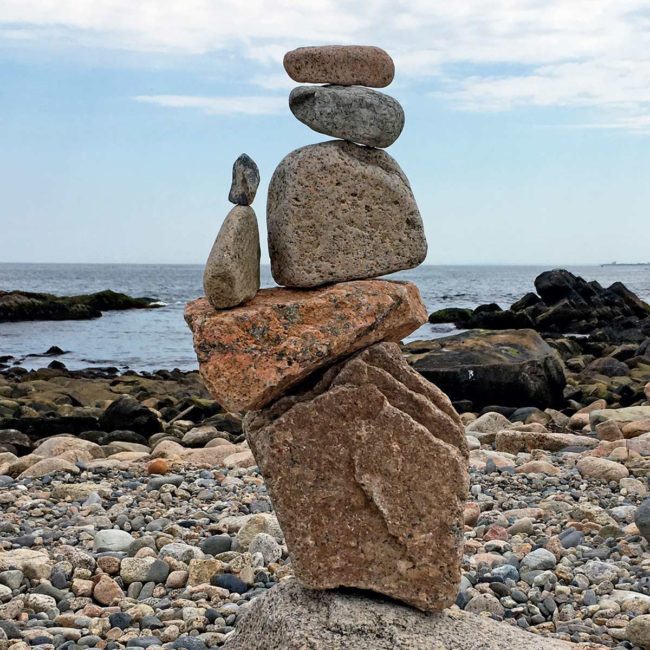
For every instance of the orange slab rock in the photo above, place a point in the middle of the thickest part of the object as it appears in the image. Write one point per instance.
(250, 355)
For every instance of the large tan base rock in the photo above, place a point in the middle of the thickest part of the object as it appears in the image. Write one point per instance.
(368, 475)
(252, 354)
(290, 617)
(513, 441)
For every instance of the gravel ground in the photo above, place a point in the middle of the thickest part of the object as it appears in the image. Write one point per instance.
(114, 557)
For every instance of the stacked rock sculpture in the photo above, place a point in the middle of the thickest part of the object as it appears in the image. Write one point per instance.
(337, 210)
(365, 460)
(232, 272)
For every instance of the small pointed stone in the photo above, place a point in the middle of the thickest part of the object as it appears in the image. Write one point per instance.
(245, 180)
(232, 272)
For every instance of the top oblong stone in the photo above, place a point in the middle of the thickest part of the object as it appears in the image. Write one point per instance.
(344, 65)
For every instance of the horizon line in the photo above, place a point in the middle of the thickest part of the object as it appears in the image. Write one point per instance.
(519, 264)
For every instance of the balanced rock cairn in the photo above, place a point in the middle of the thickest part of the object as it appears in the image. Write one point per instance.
(232, 272)
(365, 460)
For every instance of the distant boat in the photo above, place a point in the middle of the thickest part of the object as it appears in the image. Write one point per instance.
(627, 264)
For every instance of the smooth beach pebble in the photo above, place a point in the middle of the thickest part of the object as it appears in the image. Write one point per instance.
(352, 113)
(346, 65)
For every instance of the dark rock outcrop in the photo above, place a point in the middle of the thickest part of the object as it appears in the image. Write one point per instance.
(43, 427)
(509, 367)
(565, 303)
(128, 414)
(24, 305)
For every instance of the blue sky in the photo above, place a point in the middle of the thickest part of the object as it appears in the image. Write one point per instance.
(527, 135)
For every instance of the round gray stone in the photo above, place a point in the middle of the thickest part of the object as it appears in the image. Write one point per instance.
(642, 518)
(538, 560)
(349, 112)
(112, 540)
(266, 545)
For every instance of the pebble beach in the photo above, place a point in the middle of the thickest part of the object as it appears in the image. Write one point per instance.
(162, 543)
(321, 482)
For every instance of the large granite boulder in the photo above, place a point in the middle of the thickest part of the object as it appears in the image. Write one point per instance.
(336, 212)
(508, 368)
(368, 476)
(252, 354)
(290, 617)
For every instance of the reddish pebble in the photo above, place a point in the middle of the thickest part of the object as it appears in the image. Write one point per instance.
(495, 532)
(158, 466)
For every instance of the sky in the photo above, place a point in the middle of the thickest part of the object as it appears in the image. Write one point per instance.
(527, 136)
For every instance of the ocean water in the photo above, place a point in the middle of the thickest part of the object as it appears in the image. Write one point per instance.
(159, 338)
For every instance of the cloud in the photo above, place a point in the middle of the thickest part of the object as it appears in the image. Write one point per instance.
(495, 55)
(254, 105)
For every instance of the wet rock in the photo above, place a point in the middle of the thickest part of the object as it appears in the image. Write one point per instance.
(507, 367)
(25, 306)
(127, 413)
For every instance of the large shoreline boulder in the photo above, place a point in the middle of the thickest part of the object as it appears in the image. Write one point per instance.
(290, 617)
(506, 367)
(252, 354)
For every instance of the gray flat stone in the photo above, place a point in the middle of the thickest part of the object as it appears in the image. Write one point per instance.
(245, 181)
(293, 618)
(336, 212)
(349, 112)
(232, 272)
